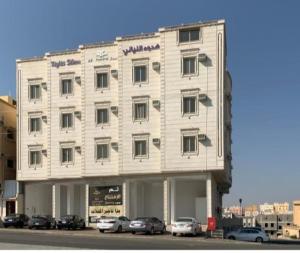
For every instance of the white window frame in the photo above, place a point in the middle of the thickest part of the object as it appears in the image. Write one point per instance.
(35, 148)
(140, 63)
(67, 111)
(35, 115)
(66, 76)
(185, 56)
(190, 133)
(102, 70)
(140, 100)
(34, 82)
(140, 137)
(190, 93)
(102, 105)
(102, 141)
(67, 145)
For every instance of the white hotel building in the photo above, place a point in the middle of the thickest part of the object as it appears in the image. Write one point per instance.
(140, 126)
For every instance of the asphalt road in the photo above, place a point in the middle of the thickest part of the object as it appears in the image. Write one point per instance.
(91, 239)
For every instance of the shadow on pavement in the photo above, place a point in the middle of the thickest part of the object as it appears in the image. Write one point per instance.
(282, 241)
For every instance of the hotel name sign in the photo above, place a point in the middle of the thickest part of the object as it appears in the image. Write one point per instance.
(69, 62)
(140, 48)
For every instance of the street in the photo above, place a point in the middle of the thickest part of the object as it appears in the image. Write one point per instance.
(91, 239)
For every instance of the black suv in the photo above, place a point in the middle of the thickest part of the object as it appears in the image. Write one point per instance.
(70, 222)
(42, 221)
(16, 220)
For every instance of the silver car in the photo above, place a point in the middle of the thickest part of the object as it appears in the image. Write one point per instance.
(113, 224)
(248, 234)
(186, 225)
(148, 225)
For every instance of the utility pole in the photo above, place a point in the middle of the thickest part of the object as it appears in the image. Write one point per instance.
(241, 212)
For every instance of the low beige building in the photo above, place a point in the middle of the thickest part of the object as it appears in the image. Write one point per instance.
(293, 231)
(8, 185)
(281, 208)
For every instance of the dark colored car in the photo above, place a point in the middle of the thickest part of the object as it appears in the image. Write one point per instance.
(70, 222)
(16, 220)
(42, 221)
(148, 225)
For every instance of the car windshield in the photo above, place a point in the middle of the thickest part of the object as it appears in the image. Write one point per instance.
(14, 215)
(39, 217)
(68, 217)
(184, 220)
(142, 219)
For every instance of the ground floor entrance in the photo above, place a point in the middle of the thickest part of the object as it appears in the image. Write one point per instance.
(165, 197)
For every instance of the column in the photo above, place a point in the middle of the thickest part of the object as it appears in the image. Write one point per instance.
(166, 198)
(209, 195)
(126, 198)
(87, 204)
(173, 199)
(70, 199)
(56, 201)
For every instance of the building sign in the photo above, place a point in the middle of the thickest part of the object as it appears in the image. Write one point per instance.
(105, 201)
(69, 62)
(102, 56)
(140, 48)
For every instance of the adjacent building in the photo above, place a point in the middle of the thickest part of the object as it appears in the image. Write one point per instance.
(8, 185)
(138, 126)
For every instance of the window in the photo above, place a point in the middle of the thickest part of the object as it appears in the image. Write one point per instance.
(102, 80)
(140, 74)
(66, 155)
(10, 134)
(140, 146)
(189, 65)
(34, 92)
(35, 158)
(140, 111)
(266, 225)
(189, 35)
(189, 141)
(189, 105)
(66, 87)
(279, 227)
(10, 163)
(66, 120)
(102, 152)
(189, 144)
(272, 225)
(35, 125)
(102, 116)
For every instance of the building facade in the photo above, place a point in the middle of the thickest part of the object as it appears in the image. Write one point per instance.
(139, 126)
(8, 183)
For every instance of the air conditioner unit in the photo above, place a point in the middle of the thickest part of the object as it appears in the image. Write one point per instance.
(229, 97)
(114, 109)
(202, 97)
(156, 141)
(44, 152)
(44, 85)
(78, 149)
(156, 66)
(156, 103)
(229, 156)
(77, 114)
(78, 79)
(44, 118)
(114, 73)
(114, 145)
(228, 126)
(202, 57)
(201, 137)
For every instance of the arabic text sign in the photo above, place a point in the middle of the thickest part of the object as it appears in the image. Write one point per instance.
(69, 62)
(140, 48)
(106, 211)
(105, 195)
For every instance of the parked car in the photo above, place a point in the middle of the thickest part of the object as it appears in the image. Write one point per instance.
(148, 225)
(186, 225)
(16, 220)
(70, 222)
(42, 221)
(248, 234)
(114, 224)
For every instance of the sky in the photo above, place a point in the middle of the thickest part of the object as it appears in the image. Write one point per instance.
(263, 39)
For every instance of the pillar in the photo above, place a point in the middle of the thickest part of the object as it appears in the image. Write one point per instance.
(70, 199)
(166, 197)
(173, 199)
(87, 204)
(56, 188)
(209, 195)
(126, 198)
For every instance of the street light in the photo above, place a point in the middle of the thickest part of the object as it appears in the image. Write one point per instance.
(240, 200)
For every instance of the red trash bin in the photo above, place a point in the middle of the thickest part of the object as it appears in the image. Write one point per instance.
(211, 223)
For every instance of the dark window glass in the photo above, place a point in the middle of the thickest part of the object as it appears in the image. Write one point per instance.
(102, 116)
(189, 105)
(140, 74)
(10, 134)
(140, 148)
(102, 80)
(189, 65)
(35, 157)
(10, 163)
(66, 86)
(194, 35)
(183, 36)
(67, 155)
(189, 35)
(67, 120)
(102, 151)
(189, 144)
(35, 125)
(140, 111)
(35, 92)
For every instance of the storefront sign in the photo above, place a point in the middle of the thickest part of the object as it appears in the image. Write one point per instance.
(69, 62)
(105, 200)
(140, 48)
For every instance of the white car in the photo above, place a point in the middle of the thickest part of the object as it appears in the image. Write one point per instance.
(113, 224)
(248, 234)
(186, 225)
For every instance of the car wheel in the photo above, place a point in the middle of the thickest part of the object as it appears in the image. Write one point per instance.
(195, 232)
(174, 234)
(101, 230)
(83, 226)
(152, 231)
(119, 230)
(231, 237)
(29, 227)
(133, 232)
(259, 239)
(163, 230)
(5, 226)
